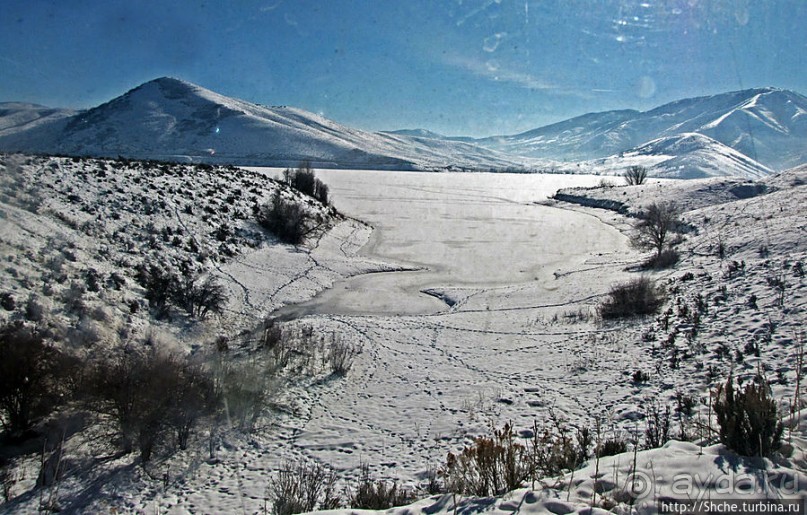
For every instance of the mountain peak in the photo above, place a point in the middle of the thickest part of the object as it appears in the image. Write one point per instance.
(171, 87)
(170, 81)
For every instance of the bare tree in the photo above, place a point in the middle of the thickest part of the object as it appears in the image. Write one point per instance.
(655, 225)
(151, 395)
(303, 179)
(200, 297)
(33, 377)
(635, 175)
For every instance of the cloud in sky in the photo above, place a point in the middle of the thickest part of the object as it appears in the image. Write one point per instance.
(494, 71)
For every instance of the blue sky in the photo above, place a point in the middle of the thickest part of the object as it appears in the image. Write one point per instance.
(460, 67)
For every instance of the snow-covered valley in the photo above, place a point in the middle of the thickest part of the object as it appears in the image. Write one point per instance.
(506, 331)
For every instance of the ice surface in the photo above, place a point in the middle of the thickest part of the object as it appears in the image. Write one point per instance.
(469, 231)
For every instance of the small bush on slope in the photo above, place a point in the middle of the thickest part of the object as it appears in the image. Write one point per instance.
(748, 419)
(199, 298)
(377, 495)
(491, 466)
(196, 296)
(636, 297)
(300, 488)
(284, 218)
(666, 259)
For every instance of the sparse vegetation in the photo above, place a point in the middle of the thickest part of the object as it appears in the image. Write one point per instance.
(492, 465)
(748, 419)
(377, 495)
(635, 175)
(304, 180)
(32, 377)
(92, 301)
(341, 356)
(286, 219)
(655, 226)
(299, 487)
(636, 297)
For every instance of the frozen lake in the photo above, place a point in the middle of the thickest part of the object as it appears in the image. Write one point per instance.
(460, 231)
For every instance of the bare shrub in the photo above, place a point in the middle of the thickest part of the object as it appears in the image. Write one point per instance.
(30, 377)
(635, 175)
(7, 301)
(243, 392)
(377, 495)
(300, 487)
(199, 297)
(657, 430)
(490, 466)
(73, 299)
(159, 284)
(636, 297)
(286, 219)
(748, 419)
(194, 396)
(149, 395)
(34, 311)
(303, 179)
(553, 449)
(341, 356)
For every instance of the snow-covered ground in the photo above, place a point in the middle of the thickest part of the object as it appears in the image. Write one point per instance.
(507, 332)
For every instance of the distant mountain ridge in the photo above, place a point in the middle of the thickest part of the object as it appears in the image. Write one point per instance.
(746, 133)
(768, 125)
(172, 119)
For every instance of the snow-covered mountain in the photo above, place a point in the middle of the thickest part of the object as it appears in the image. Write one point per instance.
(684, 156)
(17, 116)
(768, 125)
(175, 120)
(746, 133)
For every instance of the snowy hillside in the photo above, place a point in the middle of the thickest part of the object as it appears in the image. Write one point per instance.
(16, 116)
(170, 119)
(522, 344)
(768, 125)
(685, 156)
